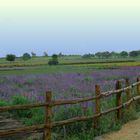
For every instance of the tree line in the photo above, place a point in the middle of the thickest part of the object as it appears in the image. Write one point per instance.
(107, 54)
(100, 55)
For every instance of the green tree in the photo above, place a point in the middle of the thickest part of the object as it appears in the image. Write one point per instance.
(124, 54)
(10, 57)
(60, 54)
(98, 55)
(26, 56)
(33, 54)
(106, 54)
(45, 54)
(134, 54)
(87, 56)
(114, 54)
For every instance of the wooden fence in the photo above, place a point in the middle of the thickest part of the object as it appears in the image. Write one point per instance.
(47, 127)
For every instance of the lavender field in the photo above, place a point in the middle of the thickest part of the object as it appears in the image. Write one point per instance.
(63, 85)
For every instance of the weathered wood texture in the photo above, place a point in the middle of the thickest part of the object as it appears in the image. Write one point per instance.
(47, 133)
(128, 93)
(97, 105)
(118, 100)
(138, 86)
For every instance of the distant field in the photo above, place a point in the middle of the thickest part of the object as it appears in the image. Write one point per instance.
(67, 64)
(46, 69)
(67, 60)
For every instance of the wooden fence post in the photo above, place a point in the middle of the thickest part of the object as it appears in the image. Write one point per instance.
(97, 105)
(118, 100)
(128, 92)
(138, 86)
(47, 133)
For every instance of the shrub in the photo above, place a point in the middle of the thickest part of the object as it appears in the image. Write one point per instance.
(38, 117)
(74, 128)
(3, 103)
(29, 116)
(20, 100)
(54, 60)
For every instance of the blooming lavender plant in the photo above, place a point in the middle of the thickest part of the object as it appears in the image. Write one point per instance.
(63, 85)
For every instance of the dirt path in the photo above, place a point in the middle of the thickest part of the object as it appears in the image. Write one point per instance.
(7, 122)
(130, 131)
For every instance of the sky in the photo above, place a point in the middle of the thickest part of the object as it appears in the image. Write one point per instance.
(69, 26)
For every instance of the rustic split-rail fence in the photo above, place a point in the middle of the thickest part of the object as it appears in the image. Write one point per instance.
(49, 124)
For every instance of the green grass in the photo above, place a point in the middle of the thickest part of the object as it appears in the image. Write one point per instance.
(39, 65)
(44, 69)
(62, 60)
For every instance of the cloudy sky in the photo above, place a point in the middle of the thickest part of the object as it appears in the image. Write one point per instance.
(69, 26)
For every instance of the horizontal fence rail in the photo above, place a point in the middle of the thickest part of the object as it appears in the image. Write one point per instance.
(65, 122)
(98, 113)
